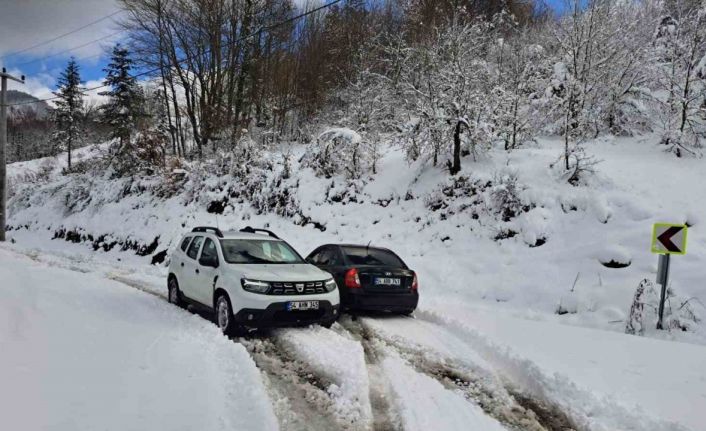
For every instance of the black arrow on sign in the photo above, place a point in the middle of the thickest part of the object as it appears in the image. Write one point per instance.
(666, 238)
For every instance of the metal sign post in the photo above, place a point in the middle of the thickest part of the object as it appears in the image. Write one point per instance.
(663, 279)
(667, 239)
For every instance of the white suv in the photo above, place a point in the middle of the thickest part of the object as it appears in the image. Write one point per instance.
(250, 281)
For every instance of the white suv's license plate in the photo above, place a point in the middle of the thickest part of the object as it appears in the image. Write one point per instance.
(302, 305)
(388, 281)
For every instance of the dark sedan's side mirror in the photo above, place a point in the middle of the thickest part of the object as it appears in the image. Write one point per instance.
(210, 261)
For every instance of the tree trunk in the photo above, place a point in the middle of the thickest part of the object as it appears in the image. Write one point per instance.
(68, 147)
(172, 129)
(244, 68)
(456, 165)
(566, 140)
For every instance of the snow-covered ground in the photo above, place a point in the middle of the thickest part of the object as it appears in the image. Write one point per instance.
(81, 352)
(535, 326)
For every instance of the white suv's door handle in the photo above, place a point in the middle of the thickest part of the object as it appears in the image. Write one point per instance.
(197, 270)
(182, 264)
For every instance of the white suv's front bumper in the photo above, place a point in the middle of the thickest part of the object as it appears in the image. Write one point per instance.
(258, 311)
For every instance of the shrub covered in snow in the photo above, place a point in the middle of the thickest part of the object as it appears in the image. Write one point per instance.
(681, 314)
(339, 151)
(497, 201)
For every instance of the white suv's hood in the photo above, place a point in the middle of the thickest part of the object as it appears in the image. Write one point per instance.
(283, 272)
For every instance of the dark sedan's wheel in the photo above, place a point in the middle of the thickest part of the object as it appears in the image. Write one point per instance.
(174, 293)
(408, 312)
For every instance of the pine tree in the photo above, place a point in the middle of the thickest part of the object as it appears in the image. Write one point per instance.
(69, 106)
(125, 104)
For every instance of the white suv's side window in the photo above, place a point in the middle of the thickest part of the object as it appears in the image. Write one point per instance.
(185, 243)
(209, 251)
(195, 246)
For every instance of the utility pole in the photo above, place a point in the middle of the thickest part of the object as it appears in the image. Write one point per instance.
(4, 76)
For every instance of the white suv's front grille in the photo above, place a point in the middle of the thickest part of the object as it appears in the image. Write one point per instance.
(297, 288)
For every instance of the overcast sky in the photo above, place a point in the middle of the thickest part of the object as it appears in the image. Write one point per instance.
(26, 23)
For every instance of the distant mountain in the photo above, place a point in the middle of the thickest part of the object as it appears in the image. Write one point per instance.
(14, 96)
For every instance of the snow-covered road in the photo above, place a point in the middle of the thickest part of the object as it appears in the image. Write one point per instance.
(93, 344)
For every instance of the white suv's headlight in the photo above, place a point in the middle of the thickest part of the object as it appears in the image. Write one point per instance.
(255, 286)
(330, 285)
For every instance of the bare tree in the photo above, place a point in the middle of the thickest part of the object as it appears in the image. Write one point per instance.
(680, 49)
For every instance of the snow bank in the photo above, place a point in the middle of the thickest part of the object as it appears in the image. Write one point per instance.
(80, 352)
(340, 360)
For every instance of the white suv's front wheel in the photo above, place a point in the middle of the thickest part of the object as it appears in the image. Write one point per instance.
(224, 317)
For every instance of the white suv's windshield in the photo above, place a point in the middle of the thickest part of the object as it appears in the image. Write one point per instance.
(258, 251)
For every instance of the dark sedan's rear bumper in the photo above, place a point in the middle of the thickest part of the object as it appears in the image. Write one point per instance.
(277, 316)
(393, 302)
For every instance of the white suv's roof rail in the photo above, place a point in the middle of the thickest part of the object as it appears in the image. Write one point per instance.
(204, 229)
(249, 229)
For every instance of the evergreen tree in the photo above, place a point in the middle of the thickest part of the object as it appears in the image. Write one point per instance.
(69, 106)
(125, 104)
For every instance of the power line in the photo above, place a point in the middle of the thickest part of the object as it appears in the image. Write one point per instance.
(60, 36)
(248, 36)
(37, 60)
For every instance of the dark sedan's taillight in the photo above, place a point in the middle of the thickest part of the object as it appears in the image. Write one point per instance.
(352, 280)
(415, 283)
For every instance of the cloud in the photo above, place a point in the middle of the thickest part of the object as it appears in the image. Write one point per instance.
(38, 85)
(42, 86)
(92, 97)
(29, 22)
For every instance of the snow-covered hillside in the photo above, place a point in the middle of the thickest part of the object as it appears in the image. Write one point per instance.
(504, 233)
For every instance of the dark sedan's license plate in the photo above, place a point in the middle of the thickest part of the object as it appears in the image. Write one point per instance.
(385, 281)
(302, 305)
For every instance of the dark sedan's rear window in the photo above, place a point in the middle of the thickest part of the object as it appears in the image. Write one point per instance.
(372, 256)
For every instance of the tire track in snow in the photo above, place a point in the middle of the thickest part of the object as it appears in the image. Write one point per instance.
(299, 396)
(385, 418)
(514, 410)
